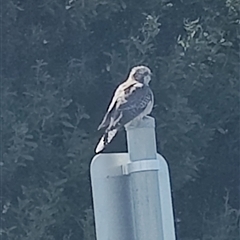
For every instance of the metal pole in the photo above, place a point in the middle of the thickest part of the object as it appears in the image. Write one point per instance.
(144, 184)
(131, 191)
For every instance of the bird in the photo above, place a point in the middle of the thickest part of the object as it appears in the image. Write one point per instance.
(132, 101)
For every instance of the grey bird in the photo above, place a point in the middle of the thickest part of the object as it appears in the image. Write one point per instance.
(132, 100)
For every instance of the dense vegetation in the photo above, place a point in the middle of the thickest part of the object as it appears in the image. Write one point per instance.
(61, 59)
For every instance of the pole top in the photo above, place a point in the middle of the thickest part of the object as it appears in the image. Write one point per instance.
(145, 122)
(141, 139)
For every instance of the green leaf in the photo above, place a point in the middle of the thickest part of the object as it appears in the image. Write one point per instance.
(67, 124)
(31, 144)
(71, 155)
(28, 157)
(85, 116)
(29, 136)
(227, 44)
(66, 103)
(65, 115)
(60, 182)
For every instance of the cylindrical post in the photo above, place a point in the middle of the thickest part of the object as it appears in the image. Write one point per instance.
(144, 185)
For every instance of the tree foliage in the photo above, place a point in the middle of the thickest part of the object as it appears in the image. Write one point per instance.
(61, 59)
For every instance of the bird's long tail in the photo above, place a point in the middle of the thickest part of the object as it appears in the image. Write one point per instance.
(105, 139)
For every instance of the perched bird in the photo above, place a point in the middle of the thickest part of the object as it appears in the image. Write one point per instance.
(132, 100)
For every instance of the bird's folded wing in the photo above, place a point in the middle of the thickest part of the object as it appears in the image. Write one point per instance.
(128, 102)
(118, 97)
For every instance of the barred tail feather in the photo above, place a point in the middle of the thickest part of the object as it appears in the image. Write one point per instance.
(105, 140)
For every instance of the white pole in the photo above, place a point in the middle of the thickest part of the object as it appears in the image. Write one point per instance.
(131, 191)
(147, 197)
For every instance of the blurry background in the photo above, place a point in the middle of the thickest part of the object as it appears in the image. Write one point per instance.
(60, 63)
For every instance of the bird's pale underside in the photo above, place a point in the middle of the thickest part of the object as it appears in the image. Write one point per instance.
(132, 100)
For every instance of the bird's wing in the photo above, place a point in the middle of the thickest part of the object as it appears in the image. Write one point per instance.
(130, 100)
(118, 94)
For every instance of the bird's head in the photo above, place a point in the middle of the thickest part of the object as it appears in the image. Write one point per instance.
(141, 74)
